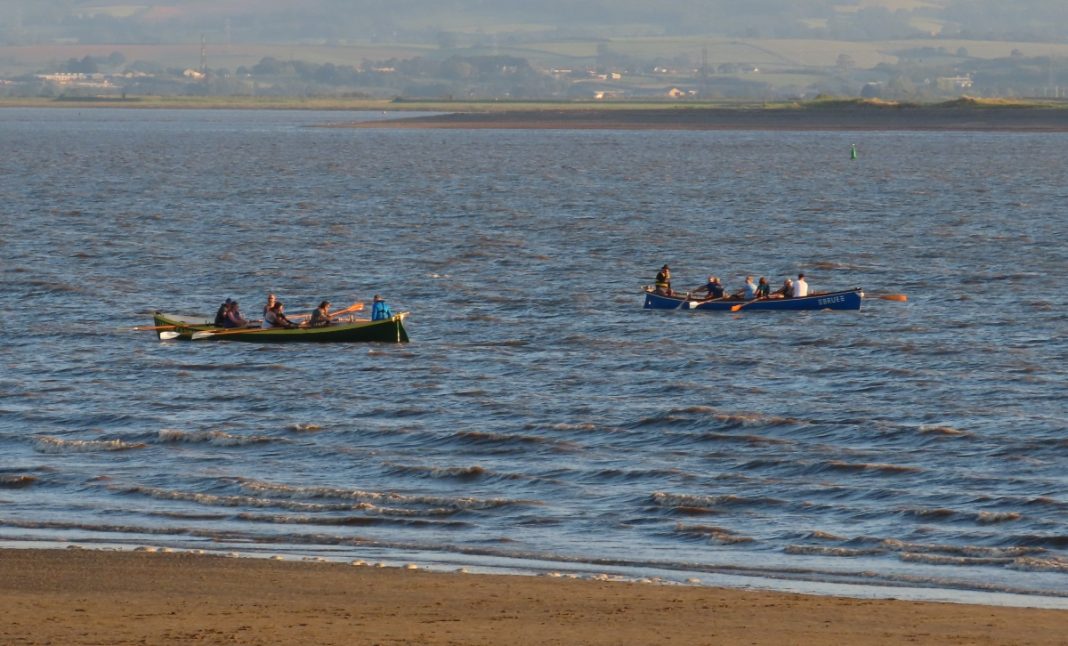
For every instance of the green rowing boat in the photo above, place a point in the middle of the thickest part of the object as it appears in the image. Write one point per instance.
(389, 330)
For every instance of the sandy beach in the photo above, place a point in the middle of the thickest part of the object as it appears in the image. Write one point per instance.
(105, 597)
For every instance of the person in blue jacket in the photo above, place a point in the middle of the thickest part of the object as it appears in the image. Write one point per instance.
(380, 310)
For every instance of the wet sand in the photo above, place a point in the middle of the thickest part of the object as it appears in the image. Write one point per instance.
(854, 117)
(102, 597)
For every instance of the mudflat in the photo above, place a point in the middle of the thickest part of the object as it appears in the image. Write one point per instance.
(962, 117)
(105, 597)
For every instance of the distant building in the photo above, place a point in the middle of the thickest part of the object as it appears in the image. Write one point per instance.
(953, 83)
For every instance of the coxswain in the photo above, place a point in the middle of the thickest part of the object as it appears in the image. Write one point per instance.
(663, 281)
(380, 310)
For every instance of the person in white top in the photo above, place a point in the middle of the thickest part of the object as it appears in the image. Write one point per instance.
(800, 287)
(270, 304)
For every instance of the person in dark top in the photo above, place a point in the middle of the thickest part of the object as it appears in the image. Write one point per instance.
(714, 288)
(321, 316)
(233, 317)
(276, 317)
(663, 281)
(763, 288)
(220, 315)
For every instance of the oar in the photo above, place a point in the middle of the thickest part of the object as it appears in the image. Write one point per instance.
(204, 334)
(735, 308)
(147, 328)
(901, 298)
(355, 307)
(166, 336)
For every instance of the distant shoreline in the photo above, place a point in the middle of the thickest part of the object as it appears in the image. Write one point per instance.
(833, 119)
(828, 115)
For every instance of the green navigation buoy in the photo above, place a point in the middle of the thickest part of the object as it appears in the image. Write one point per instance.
(852, 151)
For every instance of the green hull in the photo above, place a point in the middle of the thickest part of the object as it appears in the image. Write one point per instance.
(386, 331)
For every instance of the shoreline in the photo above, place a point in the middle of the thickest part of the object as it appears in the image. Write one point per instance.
(849, 117)
(961, 115)
(78, 596)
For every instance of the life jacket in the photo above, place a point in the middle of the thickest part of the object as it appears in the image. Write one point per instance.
(663, 279)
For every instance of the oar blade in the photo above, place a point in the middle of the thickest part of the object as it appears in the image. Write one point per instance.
(901, 298)
(735, 308)
(203, 334)
(167, 335)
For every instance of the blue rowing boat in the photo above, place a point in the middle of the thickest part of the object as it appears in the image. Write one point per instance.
(844, 300)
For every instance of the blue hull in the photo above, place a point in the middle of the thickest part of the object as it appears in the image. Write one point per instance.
(845, 300)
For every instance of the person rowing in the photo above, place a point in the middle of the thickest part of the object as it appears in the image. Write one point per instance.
(220, 315)
(748, 291)
(786, 291)
(763, 288)
(233, 318)
(275, 317)
(713, 287)
(271, 300)
(321, 316)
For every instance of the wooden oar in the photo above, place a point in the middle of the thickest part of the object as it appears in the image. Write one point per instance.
(901, 298)
(735, 308)
(147, 328)
(204, 334)
(166, 336)
(355, 307)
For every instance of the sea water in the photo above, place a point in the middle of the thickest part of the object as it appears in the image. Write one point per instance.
(540, 420)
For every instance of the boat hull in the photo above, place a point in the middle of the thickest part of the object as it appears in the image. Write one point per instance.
(389, 330)
(849, 299)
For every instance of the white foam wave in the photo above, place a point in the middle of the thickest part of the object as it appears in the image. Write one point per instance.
(216, 438)
(1033, 564)
(973, 551)
(671, 500)
(419, 505)
(717, 534)
(50, 444)
(378, 497)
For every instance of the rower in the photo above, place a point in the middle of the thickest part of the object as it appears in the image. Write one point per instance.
(320, 317)
(714, 288)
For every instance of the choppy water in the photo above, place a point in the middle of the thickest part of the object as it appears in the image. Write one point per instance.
(540, 419)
